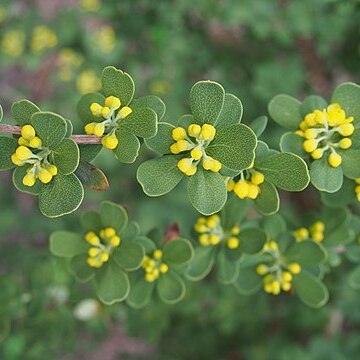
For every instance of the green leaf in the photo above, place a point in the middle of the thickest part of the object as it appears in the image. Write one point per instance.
(350, 163)
(248, 281)
(1, 113)
(285, 170)
(310, 290)
(141, 122)
(50, 128)
(207, 191)
(231, 112)
(17, 179)
(202, 263)
(252, 240)
(285, 110)
(233, 212)
(132, 231)
(8, 147)
(140, 292)
(118, 83)
(91, 221)
(178, 252)
(274, 226)
(206, 101)
(88, 152)
(305, 252)
(340, 236)
(79, 267)
(186, 120)
(161, 142)
(234, 147)
(22, 111)
(344, 196)
(268, 201)
(348, 97)
(83, 107)
(113, 215)
(293, 143)
(171, 288)
(69, 128)
(66, 156)
(62, 196)
(354, 278)
(91, 176)
(335, 218)
(67, 244)
(262, 151)
(146, 243)
(112, 284)
(227, 266)
(311, 103)
(324, 177)
(151, 101)
(258, 126)
(129, 255)
(128, 148)
(159, 176)
(353, 253)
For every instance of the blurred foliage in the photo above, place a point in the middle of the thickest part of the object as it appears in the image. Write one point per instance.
(50, 52)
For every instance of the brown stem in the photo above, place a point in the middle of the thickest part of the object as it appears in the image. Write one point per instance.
(80, 139)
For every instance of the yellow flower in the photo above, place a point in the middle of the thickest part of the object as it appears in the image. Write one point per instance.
(102, 246)
(334, 159)
(208, 132)
(13, 43)
(178, 133)
(104, 39)
(88, 81)
(110, 141)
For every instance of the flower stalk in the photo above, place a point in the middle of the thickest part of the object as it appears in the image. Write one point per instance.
(80, 139)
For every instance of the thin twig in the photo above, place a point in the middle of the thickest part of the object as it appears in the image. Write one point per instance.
(80, 139)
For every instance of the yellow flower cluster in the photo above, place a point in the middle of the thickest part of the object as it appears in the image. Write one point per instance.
(88, 81)
(41, 168)
(104, 39)
(112, 112)
(279, 275)
(160, 87)
(102, 246)
(13, 43)
(153, 266)
(247, 188)
(211, 232)
(315, 232)
(69, 61)
(195, 140)
(357, 189)
(43, 38)
(90, 5)
(327, 130)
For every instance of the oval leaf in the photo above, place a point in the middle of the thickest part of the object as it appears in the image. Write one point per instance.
(207, 191)
(310, 290)
(112, 284)
(206, 101)
(234, 147)
(171, 288)
(178, 251)
(285, 170)
(159, 176)
(67, 244)
(63, 195)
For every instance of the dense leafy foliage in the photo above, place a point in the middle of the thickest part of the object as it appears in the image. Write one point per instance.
(212, 239)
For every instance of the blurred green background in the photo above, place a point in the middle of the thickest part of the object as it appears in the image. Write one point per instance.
(51, 52)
